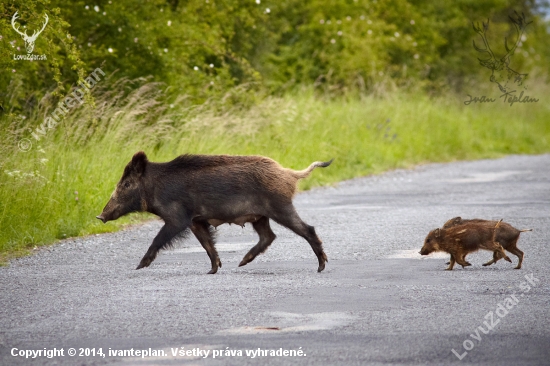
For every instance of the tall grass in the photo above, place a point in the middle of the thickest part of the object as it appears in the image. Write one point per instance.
(56, 189)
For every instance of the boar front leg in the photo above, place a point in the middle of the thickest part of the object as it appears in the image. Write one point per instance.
(467, 263)
(163, 238)
(461, 259)
(496, 257)
(204, 235)
(451, 263)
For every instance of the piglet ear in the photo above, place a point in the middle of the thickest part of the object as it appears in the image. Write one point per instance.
(437, 232)
(139, 162)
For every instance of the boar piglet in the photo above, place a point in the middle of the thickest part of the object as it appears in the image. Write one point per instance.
(505, 234)
(199, 192)
(461, 240)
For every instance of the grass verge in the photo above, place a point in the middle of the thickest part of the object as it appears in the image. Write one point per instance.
(56, 189)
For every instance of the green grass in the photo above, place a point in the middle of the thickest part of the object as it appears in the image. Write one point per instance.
(55, 190)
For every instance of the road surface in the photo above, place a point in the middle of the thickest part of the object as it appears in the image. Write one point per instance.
(377, 302)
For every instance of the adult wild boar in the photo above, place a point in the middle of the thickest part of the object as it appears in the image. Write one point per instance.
(199, 192)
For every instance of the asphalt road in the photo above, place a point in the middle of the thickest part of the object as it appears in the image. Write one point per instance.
(377, 302)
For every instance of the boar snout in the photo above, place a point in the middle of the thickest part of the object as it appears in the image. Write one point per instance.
(424, 251)
(100, 217)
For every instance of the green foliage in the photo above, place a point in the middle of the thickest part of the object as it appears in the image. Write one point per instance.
(202, 49)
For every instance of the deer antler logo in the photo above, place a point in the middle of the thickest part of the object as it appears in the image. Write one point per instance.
(29, 41)
(501, 73)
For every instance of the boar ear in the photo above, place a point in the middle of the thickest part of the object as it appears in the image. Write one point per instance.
(138, 163)
(437, 232)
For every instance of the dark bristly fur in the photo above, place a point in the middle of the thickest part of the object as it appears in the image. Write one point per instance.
(461, 240)
(198, 192)
(506, 235)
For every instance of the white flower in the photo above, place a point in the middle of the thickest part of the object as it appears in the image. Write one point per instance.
(416, 56)
(267, 10)
(412, 21)
(396, 34)
(135, 40)
(165, 50)
(169, 23)
(211, 65)
(96, 8)
(87, 7)
(362, 17)
(196, 68)
(322, 21)
(348, 18)
(119, 29)
(258, 2)
(339, 33)
(369, 31)
(333, 41)
(415, 44)
(110, 50)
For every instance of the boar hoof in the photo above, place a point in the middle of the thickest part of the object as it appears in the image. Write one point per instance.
(145, 262)
(213, 271)
(245, 260)
(517, 267)
(321, 267)
(448, 269)
(508, 259)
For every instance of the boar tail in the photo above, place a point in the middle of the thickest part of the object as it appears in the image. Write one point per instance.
(304, 173)
(524, 230)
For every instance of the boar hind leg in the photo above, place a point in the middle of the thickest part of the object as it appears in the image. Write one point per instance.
(204, 235)
(266, 238)
(515, 251)
(289, 218)
(163, 239)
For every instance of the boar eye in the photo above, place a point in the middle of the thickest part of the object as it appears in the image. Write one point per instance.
(428, 240)
(127, 184)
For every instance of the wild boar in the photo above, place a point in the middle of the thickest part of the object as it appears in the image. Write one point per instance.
(199, 192)
(461, 240)
(506, 235)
